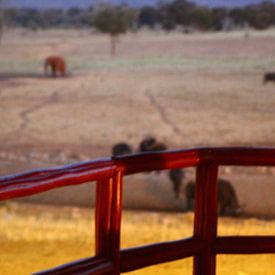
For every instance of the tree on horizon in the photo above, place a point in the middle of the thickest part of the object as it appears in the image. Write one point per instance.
(114, 20)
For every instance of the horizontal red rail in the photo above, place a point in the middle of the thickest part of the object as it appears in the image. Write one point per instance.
(245, 156)
(245, 245)
(94, 265)
(41, 180)
(139, 257)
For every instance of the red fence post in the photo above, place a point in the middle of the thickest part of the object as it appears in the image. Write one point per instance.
(108, 219)
(205, 224)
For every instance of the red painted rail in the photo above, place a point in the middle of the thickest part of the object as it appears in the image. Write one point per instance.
(109, 172)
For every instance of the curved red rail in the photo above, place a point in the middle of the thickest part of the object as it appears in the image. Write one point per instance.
(109, 172)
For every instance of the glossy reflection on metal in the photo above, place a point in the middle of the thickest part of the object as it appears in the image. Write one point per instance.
(108, 174)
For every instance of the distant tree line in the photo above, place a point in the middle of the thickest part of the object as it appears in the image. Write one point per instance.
(177, 14)
(48, 18)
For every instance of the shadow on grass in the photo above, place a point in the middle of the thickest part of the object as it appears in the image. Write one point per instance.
(11, 76)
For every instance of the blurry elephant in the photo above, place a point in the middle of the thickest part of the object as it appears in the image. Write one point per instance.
(56, 64)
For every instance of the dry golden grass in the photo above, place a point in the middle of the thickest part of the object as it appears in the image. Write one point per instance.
(39, 237)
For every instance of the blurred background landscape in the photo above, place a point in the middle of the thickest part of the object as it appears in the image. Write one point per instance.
(190, 74)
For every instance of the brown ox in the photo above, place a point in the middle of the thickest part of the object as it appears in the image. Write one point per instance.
(56, 64)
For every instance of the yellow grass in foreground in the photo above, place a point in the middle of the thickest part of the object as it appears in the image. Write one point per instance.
(38, 237)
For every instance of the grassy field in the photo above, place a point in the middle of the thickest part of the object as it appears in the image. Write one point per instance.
(35, 238)
(198, 90)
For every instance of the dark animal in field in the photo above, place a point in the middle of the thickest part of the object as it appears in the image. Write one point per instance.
(269, 77)
(176, 176)
(151, 144)
(56, 64)
(227, 200)
(147, 144)
(121, 148)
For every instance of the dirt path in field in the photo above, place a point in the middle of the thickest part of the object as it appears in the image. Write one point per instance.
(163, 116)
(25, 115)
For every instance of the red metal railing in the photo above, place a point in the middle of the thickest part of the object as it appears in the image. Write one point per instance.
(109, 172)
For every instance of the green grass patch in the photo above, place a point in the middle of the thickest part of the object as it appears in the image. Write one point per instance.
(160, 63)
(173, 63)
